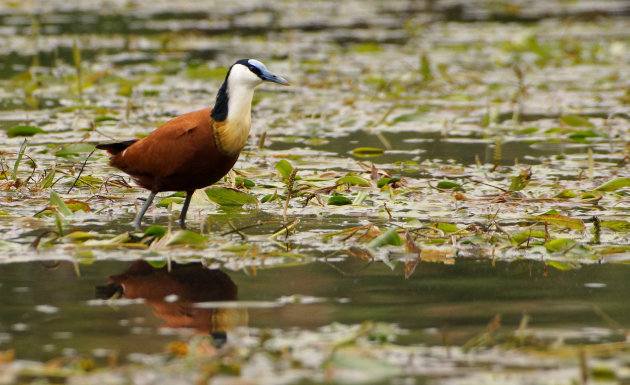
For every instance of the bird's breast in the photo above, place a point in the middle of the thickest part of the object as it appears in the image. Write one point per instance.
(231, 136)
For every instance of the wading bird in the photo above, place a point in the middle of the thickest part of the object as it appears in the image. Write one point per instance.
(196, 149)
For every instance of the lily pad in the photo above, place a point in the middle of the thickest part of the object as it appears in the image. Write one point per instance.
(23, 131)
(229, 197)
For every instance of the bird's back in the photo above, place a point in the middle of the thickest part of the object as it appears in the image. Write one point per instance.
(181, 155)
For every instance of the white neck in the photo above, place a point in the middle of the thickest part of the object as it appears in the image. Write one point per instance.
(240, 90)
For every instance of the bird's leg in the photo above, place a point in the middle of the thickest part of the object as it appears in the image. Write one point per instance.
(182, 215)
(145, 206)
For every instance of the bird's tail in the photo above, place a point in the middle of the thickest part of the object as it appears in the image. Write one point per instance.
(116, 147)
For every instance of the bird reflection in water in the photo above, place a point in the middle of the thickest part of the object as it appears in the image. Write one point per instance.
(175, 295)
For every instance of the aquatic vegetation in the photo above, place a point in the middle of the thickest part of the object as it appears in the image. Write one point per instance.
(414, 143)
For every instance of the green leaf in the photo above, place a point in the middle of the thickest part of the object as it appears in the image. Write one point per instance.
(408, 117)
(245, 182)
(390, 237)
(576, 121)
(559, 244)
(16, 165)
(229, 197)
(560, 221)
(99, 119)
(527, 131)
(616, 225)
(75, 149)
(285, 168)
(338, 200)
(23, 131)
(354, 180)
(565, 194)
(155, 230)
(367, 152)
(560, 265)
(382, 182)
(185, 237)
(271, 198)
(55, 200)
(448, 185)
(75, 206)
(48, 179)
(158, 264)
(166, 201)
(447, 227)
(521, 180)
(79, 236)
(583, 135)
(525, 235)
(614, 184)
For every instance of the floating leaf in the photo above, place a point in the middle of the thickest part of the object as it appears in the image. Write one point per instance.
(525, 235)
(390, 237)
(79, 236)
(99, 119)
(155, 230)
(75, 205)
(559, 244)
(23, 131)
(229, 197)
(185, 237)
(409, 117)
(447, 227)
(614, 184)
(527, 131)
(560, 265)
(576, 121)
(382, 182)
(271, 198)
(75, 149)
(244, 182)
(158, 264)
(55, 200)
(616, 225)
(581, 136)
(560, 221)
(366, 152)
(354, 180)
(285, 168)
(338, 200)
(448, 185)
(166, 201)
(565, 194)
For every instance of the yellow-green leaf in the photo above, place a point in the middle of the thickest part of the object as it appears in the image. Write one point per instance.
(23, 131)
(354, 180)
(229, 197)
(55, 200)
(560, 221)
(559, 244)
(367, 152)
(614, 184)
(185, 237)
(390, 237)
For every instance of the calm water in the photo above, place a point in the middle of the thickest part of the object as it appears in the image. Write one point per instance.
(50, 311)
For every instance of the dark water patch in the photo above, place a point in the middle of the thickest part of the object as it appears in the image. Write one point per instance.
(49, 310)
(416, 146)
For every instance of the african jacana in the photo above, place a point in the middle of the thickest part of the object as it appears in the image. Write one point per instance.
(196, 149)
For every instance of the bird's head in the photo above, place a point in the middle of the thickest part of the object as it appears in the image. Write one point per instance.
(251, 72)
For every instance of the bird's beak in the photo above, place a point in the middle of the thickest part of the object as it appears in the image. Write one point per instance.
(269, 77)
